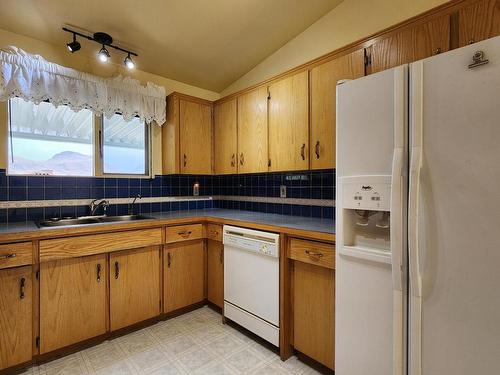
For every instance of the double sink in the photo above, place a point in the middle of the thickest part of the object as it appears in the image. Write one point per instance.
(59, 222)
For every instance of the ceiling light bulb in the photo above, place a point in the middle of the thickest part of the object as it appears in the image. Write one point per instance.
(129, 63)
(74, 45)
(103, 54)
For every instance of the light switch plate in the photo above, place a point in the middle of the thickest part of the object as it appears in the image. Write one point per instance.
(282, 191)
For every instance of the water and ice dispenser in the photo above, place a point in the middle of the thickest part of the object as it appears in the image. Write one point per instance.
(365, 206)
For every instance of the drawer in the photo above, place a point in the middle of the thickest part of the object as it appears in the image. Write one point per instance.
(78, 246)
(312, 252)
(214, 232)
(183, 233)
(16, 254)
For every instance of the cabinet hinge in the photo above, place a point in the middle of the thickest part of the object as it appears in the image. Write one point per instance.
(37, 341)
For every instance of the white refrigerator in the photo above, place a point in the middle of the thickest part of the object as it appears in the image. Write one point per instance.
(418, 217)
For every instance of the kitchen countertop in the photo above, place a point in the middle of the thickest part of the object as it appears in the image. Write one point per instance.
(29, 229)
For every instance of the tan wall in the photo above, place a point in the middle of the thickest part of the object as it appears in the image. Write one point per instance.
(352, 20)
(59, 55)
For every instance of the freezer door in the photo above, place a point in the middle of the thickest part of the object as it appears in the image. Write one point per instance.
(454, 213)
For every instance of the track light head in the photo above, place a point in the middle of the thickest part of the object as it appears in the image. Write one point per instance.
(129, 63)
(103, 54)
(74, 45)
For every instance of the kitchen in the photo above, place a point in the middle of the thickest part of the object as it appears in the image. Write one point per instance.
(308, 206)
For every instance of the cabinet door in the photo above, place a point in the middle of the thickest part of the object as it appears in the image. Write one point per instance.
(215, 270)
(134, 286)
(313, 312)
(412, 44)
(289, 123)
(195, 137)
(73, 302)
(225, 138)
(16, 319)
(184, 274)
(478, 21)
(324, 80)
(253, 132)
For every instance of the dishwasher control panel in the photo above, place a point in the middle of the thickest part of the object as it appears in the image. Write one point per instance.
(251, 240)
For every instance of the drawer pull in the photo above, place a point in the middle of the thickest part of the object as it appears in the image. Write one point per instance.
(185, 233)
(99, 272)
(22, 285)
(117, 270)
(214, 233)
(9, 256)
(314, 253)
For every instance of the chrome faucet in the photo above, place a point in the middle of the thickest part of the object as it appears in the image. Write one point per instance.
(96, 203)
(131, 205)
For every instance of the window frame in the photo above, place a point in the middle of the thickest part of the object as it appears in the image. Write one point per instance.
(97, 147)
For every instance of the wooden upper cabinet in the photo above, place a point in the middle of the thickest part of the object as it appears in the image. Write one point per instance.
(324, 79)
(134, 286)
(253, 132)
(412, 44)
(225, 137)
(73, 301)
(184, 274)
(289, 123)
(187, 136)
(16, 316)
(478, 21)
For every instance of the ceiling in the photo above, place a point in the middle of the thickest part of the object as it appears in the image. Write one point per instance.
(204, 43)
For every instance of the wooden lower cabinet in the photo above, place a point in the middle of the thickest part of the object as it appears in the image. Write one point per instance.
(16, 319)
(215, 272)
(73, 301)
(313, 311)
(134, 286)
(184, 274)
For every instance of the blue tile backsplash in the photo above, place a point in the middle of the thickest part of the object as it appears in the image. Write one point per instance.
(233, 191)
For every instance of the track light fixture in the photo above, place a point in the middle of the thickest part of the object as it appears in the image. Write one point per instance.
(74, 45)
(106, 41)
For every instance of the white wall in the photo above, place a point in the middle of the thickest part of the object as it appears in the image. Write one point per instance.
(352, 20)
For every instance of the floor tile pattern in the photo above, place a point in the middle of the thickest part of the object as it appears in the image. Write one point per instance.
(193, 343)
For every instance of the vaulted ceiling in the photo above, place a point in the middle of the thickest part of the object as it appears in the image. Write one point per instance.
(206, 43)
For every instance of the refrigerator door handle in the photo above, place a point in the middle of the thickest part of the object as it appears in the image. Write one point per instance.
(397, 217)
(413, 208)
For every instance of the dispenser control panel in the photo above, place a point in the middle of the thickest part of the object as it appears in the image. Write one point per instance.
(366, 192)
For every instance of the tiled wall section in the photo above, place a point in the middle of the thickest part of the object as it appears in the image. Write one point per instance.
(305, 185)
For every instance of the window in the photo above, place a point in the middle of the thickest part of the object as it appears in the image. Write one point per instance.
(45, 140)
(124, 147)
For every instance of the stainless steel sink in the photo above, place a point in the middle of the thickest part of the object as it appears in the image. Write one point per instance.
(56, 222)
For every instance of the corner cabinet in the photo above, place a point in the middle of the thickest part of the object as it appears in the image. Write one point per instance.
(134, 286)
(187, 136)
(73, 301)
(289, 123)
(16, 319)
(225, 138)
(323, 91)
(215, 272)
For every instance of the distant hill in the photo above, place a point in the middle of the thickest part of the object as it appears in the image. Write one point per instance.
(63, 163)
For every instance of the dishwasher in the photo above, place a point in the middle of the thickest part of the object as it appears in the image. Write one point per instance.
(251, 280)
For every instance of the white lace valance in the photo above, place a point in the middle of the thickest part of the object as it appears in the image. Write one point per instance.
(33, 78)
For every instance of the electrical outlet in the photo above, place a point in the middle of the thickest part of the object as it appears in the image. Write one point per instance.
(282, 191)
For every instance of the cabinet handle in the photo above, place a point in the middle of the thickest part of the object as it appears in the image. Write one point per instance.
(242, 159)
(98, 272)
(317, 150)
(472, 41)
(437, 51)
(233, 160)
(185, 159)
(221, 256)
(22, 285)
(303, 151)
(184, 233)
(9, 256)
(169, 260)
(314, 253)
(117, 270)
